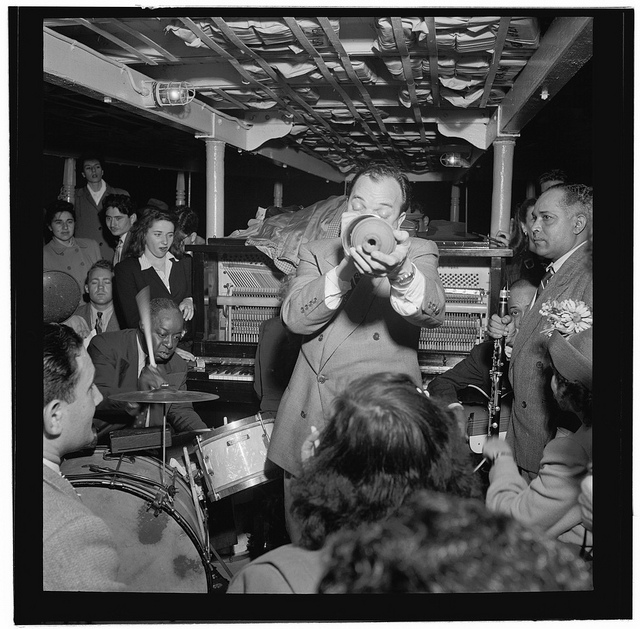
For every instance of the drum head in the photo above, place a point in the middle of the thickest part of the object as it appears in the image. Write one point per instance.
(60, 296)
(158, 542)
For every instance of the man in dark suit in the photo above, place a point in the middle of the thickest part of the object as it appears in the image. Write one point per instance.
(121, 363)
(78, 549)
(474, 369)
(561, 228)
(120, 216)
(88, 203)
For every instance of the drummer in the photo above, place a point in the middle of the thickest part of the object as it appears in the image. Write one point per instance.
(122, 365)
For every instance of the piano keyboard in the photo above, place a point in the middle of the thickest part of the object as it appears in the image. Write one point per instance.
(236, 373)
(234, 369)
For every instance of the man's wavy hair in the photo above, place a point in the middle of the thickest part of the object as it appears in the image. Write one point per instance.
(384, 440)
(380, 171)
(61, 348)
(147, 216)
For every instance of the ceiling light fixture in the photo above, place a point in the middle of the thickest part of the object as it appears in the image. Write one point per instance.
(454, 160)
(169, 94)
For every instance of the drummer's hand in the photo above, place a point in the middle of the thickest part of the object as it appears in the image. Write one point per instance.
(186, 308)
(310, 444)
(183, 353)
(150, 378)
(134, 409)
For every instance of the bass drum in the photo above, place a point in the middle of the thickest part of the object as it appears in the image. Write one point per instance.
(156, 528)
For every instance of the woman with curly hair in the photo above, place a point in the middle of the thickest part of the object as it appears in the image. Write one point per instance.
(550, 501)
(385, 440)
(153, 259)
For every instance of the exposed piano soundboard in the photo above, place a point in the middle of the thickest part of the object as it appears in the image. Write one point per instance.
(244, 290)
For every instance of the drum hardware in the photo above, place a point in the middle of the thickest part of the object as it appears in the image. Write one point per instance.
(163, 395)
(265, 436)
(203, 530)
(169, 542)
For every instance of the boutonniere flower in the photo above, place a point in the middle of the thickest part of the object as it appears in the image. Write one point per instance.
(567, 316)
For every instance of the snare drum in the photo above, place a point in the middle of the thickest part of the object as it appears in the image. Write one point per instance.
(155, 525)
(234, 457)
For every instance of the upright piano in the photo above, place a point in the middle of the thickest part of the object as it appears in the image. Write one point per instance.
(236, 288)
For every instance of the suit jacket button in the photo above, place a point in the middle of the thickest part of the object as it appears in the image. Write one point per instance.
(321, 379)
(303, 414)
(376, 336)
(524, 405)
(539, 364)
(320, 337)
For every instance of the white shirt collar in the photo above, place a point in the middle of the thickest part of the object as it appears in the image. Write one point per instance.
(560, 261)
(146, 264)
(98, 195)
(51, 465)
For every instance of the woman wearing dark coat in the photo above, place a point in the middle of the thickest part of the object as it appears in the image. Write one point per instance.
(154, 260)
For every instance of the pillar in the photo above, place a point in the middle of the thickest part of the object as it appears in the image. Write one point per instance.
(530, 190)
(455, 203)
(277, 194)
(68, 190)
(215, 189)
(503, 149)
(180, 189)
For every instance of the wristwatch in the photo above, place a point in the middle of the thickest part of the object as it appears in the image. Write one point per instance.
(404, 279)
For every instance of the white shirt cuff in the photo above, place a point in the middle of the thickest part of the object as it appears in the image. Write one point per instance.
(407, 300)
(334, 289)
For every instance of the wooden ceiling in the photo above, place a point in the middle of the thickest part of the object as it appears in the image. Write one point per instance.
(323, 94)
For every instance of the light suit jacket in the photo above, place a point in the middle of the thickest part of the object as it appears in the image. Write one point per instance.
(364, 335)
(78, 549)
(534, 413)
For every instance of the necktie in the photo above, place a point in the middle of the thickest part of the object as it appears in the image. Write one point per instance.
(118, 254)
(544, 281)
(99, 323)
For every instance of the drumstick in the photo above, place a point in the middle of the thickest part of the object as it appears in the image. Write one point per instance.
(142, 299)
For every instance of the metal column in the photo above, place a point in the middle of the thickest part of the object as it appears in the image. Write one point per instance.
(68, 190)
(277, 194)
(215, 189)
(455, 203)
(503, 149)
(180, 189)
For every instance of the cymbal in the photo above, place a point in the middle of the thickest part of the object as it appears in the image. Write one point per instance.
(163, 395)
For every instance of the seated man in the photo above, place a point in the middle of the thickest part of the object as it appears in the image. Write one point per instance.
(98, 314)
(120, 359)
(450, 386)
(78, 549)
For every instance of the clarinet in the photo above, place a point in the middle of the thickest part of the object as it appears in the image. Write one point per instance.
(497, 373)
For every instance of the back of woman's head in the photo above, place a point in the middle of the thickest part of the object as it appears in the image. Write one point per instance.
(384, 440)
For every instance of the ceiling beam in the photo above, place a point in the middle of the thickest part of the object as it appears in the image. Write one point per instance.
(565, 48)
(72, 65)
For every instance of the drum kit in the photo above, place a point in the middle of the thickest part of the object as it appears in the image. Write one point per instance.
(157, 510)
